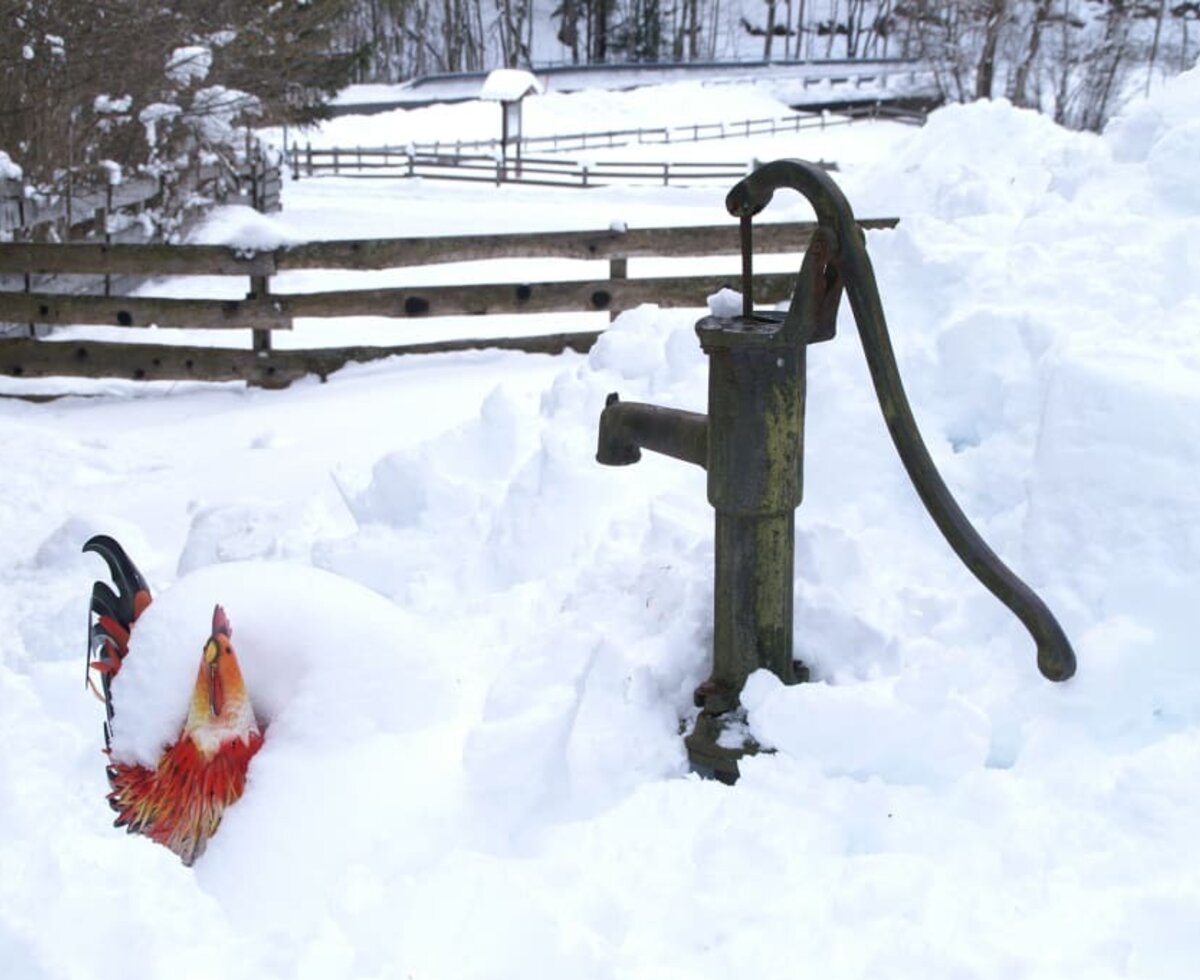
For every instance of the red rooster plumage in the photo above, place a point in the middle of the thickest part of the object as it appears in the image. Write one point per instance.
(179, 803)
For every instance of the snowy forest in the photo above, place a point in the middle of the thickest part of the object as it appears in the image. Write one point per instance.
(112, 87)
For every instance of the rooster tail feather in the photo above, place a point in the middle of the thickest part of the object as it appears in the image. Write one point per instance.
(111, 615)
(105, 601)
(126, 577)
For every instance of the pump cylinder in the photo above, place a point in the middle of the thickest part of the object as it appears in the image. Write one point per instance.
(755, 421)
(752, 597)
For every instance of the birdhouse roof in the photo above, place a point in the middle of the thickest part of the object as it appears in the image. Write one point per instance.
(509, 85)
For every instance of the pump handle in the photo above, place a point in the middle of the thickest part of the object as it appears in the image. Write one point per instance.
(848, 254)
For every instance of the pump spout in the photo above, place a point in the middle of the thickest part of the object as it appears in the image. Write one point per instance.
(626, 428)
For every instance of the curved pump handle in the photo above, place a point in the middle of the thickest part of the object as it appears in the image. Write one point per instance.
(839, 243)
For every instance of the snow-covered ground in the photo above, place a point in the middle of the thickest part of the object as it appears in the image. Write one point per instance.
(474, 647)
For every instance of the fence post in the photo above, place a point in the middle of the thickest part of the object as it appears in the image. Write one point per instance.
(335, 161)
(70, 195)
(295, 157)
(308, 153)
(618, 268)
(260, 290)
(108, 203)
(26, 234)
(666, 174)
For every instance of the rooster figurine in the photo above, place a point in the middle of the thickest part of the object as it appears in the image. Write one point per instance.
(181, 800)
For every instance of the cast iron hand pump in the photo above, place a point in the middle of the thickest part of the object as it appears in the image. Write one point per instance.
(751, 443)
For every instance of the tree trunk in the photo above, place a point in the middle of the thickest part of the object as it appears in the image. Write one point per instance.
(985, 72)
(1158, 22)
(1021, 82)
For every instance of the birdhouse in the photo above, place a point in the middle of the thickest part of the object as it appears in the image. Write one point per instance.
(509, 86)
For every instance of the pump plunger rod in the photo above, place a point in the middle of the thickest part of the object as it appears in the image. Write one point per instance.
(747, 269)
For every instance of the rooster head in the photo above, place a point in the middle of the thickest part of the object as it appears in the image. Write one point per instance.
(220, 710)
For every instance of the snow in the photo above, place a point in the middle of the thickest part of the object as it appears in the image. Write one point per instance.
(725, 303)
(155, 113)
(189, 64)
(109, 105)
(509, 85)
(475, 646)
(244, 228)
(8, 169)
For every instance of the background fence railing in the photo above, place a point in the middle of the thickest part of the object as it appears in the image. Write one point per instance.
(481, 159)
(264, 311)
(91, 207)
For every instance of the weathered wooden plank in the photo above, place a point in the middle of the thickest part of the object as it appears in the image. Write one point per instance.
(142, 311)
(633, 243)
(116, 259)
(545, 297)
(277, 311)
(98, 258)
(153, 362)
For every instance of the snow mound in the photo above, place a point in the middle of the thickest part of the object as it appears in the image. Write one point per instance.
(982, 159)
(242, 227)
(316, 650)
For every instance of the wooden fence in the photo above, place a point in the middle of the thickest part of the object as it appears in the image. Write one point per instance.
(390, 162)
(264, 311)
(480, 159)
(93, 208)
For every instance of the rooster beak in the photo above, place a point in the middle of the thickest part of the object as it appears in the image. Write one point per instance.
(214, 693)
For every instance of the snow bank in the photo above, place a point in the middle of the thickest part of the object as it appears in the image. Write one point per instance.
(315, 648)
(239, 226)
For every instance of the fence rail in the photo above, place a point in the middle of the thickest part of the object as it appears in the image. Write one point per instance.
(264, 311)
(386, 162)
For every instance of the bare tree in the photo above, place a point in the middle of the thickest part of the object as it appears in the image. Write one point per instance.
(1020, 88)
(994, 14)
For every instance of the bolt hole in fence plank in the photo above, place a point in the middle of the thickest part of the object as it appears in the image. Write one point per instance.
(264, 310)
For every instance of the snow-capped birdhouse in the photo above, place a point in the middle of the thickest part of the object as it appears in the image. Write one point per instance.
(509, 86)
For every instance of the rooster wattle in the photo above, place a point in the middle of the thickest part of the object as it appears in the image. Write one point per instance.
(179, 802)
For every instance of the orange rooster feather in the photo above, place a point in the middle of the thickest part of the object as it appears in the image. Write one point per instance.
(180, 802)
